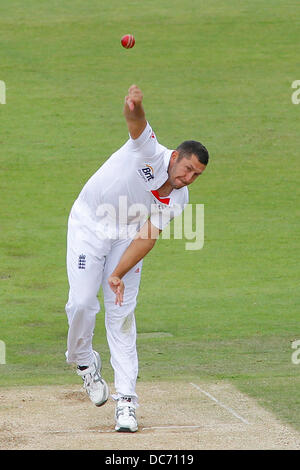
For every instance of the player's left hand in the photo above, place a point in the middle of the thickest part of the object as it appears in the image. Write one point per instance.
(117, 286)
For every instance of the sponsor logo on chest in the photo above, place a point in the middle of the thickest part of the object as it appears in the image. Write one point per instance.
(147, 173)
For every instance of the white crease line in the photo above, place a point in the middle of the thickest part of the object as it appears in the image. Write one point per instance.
(221, 404)
(170, 427)
(65, 431)
(86, 431)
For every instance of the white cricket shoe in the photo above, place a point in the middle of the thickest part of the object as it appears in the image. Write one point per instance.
(94, 385)
(125, 415)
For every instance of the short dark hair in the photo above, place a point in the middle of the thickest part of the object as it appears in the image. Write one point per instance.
(190, 147)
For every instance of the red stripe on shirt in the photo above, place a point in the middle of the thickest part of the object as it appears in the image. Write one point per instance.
(164, 200)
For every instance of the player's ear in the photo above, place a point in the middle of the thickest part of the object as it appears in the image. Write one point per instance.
(174, 155)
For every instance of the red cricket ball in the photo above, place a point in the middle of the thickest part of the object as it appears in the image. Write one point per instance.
(128, 41)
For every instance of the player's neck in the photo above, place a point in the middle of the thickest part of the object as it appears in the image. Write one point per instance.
(165, 189)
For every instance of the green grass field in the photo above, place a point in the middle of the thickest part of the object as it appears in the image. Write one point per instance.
(219, 72)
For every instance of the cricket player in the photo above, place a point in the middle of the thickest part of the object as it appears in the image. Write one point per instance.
(113, 224)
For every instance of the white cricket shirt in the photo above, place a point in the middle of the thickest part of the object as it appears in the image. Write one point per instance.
(123, 192)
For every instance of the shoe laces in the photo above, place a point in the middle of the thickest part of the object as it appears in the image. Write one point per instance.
(125, 407)
(90, 376)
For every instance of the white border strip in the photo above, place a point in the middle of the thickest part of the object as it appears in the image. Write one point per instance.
(221, 404)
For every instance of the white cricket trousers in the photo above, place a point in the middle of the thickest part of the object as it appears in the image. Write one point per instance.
(90, 261)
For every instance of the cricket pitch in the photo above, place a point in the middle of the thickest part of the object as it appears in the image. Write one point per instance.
(177, 416)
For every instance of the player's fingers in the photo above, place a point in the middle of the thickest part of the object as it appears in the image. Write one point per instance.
(114, 283)
(120, 292)
(132, 88)
(118, 299)
(135, 94)
(130, 104)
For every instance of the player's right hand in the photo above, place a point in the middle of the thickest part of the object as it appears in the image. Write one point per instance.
(134, 97)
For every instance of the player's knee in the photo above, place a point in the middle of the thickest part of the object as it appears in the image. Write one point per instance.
(121, 327)
(128, 305)
(115, 312)
(84, 302)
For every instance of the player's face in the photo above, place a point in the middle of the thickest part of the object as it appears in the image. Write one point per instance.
(185, 171)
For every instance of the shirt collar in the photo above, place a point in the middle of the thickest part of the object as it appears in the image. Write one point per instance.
(159, 181)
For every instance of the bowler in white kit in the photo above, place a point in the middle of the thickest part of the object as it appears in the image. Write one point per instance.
(113, 224)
